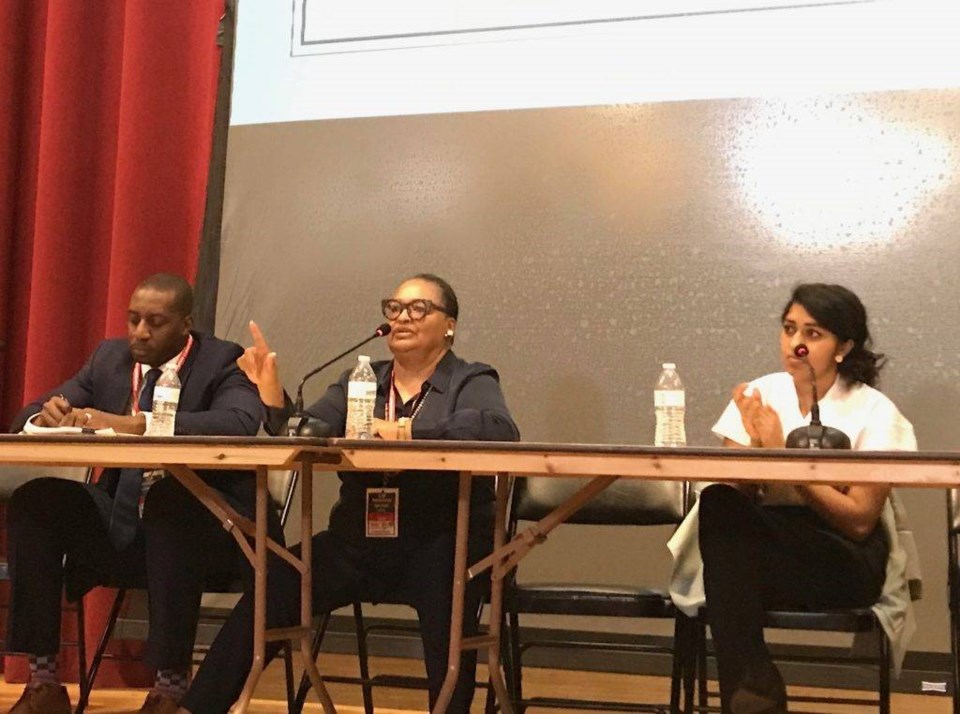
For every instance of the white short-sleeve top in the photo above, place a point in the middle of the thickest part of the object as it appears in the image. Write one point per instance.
(866, 415)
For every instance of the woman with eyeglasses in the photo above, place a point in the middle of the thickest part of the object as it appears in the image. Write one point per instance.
(809, 546)
(404, 554)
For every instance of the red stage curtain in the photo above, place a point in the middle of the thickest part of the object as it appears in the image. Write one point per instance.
(106, 113)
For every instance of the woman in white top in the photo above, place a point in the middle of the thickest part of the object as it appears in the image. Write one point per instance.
(814, 546)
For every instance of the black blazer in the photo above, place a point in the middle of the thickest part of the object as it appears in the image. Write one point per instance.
(465, 403)
(216, 398)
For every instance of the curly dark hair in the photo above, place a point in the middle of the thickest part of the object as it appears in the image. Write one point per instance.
(839, 310)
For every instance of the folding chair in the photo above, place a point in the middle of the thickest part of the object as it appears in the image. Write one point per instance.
(625, 503)
(366, 681)
(857, 621)
(861, 622)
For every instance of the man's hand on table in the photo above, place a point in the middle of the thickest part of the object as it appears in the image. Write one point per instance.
(95, 419)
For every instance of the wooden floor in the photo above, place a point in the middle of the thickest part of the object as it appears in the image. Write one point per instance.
(394, 701)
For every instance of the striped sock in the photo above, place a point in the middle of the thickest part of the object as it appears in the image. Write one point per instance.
(43, 670)
(172, 683)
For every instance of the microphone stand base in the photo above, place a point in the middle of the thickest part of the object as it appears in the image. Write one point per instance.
(817, 436)
(306, 425)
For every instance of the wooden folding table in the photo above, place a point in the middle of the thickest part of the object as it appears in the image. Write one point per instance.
(604, 465)
(183, 457)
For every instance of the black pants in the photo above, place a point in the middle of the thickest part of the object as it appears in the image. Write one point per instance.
(418, 573)
(178, 547)
(757, 558)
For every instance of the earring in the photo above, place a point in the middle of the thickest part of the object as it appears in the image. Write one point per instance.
(448, 333)
(839, 358)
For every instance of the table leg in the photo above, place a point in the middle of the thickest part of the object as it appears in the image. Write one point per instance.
(259, 593)
(306, 586)
(242, 528)
(459, 590)
(496, 596)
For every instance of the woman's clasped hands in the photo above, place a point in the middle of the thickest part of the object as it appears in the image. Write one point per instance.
(761, 421)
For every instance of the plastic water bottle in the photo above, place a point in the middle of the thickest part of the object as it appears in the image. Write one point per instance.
(361, 398)
(669, 403)
(166, 397)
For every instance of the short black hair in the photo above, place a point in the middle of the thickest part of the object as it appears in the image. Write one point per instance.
(839, 310)
(450, 304)
(170, 283)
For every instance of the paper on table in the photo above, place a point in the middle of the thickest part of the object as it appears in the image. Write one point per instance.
(31, 428)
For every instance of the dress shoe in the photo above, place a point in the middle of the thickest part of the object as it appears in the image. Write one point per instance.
(43, 699)
(745, 701)
(761, 691)
(159, 704)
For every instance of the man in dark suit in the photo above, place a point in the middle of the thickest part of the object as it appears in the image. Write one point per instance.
(130, 523)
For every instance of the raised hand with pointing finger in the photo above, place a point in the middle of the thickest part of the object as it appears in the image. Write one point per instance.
(259, 363)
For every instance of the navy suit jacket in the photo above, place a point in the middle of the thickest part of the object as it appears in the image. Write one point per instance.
(216, 398)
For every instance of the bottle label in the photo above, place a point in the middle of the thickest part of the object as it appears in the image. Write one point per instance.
(668, 398)
(166, 394)
(362, 390)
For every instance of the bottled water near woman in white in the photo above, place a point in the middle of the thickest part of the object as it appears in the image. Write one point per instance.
(361, 398)
(166, 397)
(669, 403)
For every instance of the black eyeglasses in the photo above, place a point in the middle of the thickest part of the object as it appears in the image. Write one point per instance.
(416, 309)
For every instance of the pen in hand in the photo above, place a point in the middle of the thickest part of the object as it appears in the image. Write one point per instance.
(57, 409)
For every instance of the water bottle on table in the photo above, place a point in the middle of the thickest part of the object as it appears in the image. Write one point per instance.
(361, 398)
(166, 397)
(669, 403)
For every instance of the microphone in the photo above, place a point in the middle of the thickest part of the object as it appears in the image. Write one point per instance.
(815, 435)
(302, 424)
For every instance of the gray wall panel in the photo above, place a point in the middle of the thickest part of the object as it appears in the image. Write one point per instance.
(589, 244)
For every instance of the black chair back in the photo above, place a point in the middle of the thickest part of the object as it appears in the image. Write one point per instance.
(953, 511)
(953, 583)
(626, 502)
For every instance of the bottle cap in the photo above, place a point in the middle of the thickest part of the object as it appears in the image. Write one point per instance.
(364, 358)
(669, 365)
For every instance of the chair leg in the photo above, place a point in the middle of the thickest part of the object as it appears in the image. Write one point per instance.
(288, 676)
(703, 696)
(506, 662)
(680, 647)
(955, 644)
(91, 674)
(884, 672)
(689, 662)
(82, 658)
(516, 663)
(304, 687)
(363, 658)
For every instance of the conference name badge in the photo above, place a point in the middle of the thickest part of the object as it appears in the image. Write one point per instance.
(383, 512)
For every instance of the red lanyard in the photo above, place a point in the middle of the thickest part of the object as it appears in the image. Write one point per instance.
(391, 410)
(137, 376)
